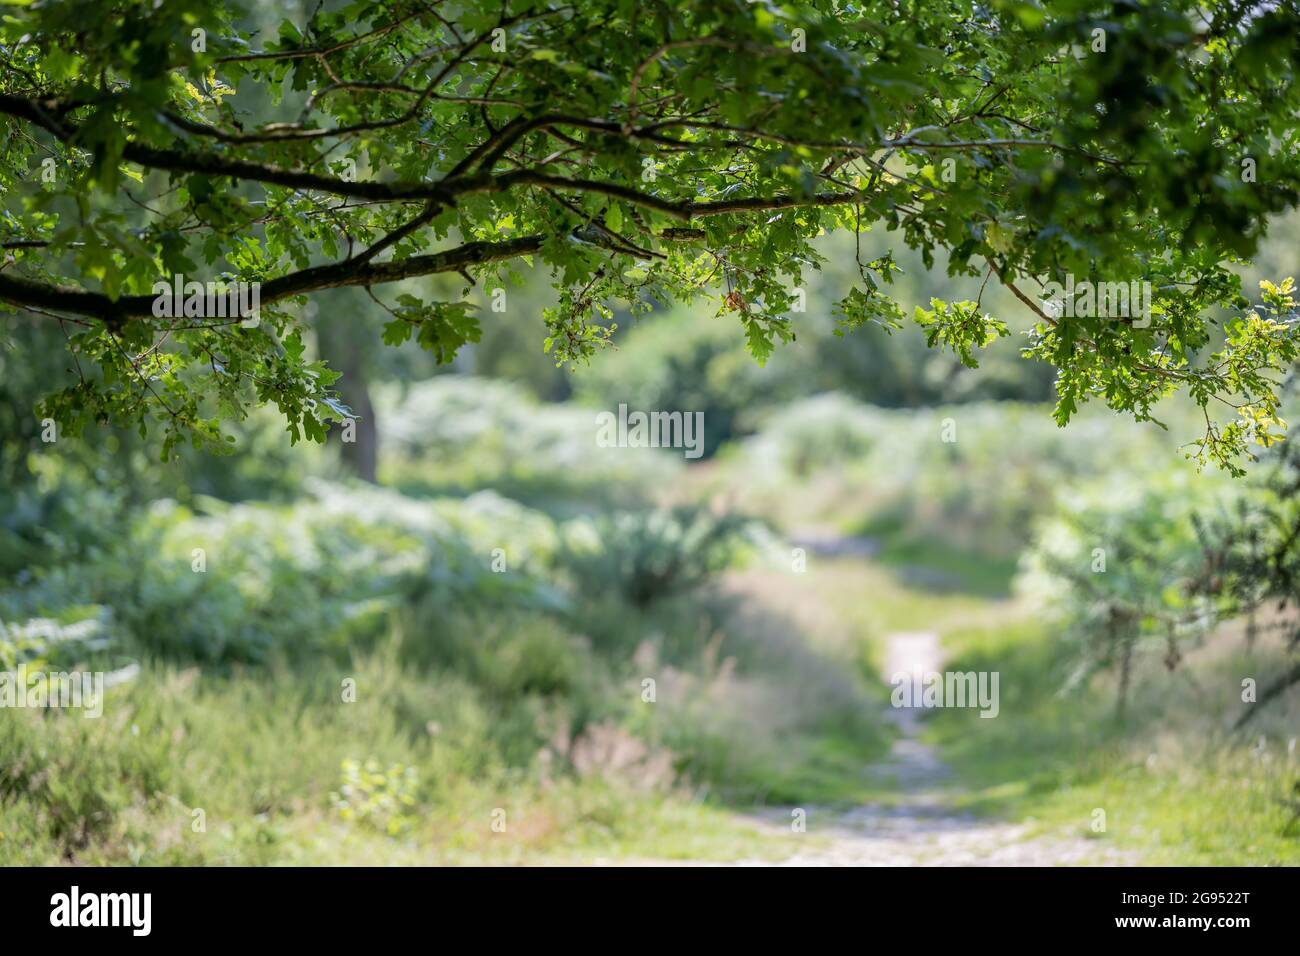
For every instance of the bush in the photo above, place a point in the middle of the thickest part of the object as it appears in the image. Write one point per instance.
(373, 796)
(682, 361)
(60, 517)
(245, 582)
(646, 556)
(455, 434)
(974, 476)
(1117, 562)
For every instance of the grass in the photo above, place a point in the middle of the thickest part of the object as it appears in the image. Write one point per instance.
(244, 765)
(847, 607)
(260, 750)
(769, 694)
(948, 570)
(875, 598)
(1175, 785)
(1177, 788)
(259, 756)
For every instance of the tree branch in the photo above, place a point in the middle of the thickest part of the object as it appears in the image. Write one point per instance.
(348, 272)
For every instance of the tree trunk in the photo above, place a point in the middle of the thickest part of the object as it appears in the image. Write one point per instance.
(1125, 674)
(343, 345)
(360, 455)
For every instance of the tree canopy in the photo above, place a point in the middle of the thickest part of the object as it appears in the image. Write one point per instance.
(642, 152)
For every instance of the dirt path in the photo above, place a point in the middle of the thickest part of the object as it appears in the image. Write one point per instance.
(921, 828)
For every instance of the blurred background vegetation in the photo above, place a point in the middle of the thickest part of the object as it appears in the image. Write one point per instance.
(498, 589)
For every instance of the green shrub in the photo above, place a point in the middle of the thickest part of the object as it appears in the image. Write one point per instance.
(79, 632)
(58, 518)
(973, 476)
(373, 796)
(682, 361)
(455, 434)
(646, 556)
(1116, 562)
(244, 582)
(74, 776)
